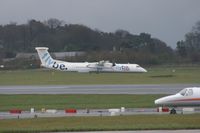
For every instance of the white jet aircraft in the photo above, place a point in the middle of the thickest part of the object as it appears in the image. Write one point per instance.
(101, 66)
(186, 97)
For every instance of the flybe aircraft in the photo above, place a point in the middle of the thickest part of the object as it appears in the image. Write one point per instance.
(101, 66)
(186, 97)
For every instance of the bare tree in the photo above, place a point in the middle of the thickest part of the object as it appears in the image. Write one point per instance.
(54, 23)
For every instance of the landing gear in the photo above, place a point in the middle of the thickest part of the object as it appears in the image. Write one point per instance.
(173, 111)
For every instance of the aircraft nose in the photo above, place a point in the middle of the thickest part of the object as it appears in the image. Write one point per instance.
(157, 102)
(143, 70)
(164, 100)
(160, 101)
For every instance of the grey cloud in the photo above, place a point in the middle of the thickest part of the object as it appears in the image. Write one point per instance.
(167, 20)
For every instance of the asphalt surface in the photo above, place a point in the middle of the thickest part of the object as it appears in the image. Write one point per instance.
(96, 89)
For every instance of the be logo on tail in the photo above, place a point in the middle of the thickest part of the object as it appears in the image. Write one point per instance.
(51, 63)
(47, 61)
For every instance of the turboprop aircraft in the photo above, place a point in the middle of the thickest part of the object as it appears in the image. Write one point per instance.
(186, 97)
(101, 66)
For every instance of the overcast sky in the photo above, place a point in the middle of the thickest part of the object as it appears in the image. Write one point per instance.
(167, 20)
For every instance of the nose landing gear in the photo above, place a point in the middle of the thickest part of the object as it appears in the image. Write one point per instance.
(173, 111)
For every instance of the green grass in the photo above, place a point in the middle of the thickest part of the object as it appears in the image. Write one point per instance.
(136, 122)
(155, 75)
(25, 102)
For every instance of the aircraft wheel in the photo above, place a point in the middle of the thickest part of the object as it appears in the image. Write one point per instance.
(173, 111)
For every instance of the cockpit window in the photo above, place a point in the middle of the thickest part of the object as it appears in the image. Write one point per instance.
(137, 66)
(186, 92)
(189, 92)
(182, 92)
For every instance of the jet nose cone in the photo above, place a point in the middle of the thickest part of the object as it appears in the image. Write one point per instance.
(143, 70)
(163, 100)
(157, 101)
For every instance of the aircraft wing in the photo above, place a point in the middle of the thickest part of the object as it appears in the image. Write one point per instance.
(100, 65)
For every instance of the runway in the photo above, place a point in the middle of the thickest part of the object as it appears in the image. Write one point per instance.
(96, 89)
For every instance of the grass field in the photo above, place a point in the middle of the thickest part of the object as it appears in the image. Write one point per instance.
(155, 75)
(160, 75)
(25, 102)
(136, 122)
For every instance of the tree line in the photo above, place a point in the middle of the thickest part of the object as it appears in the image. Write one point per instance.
(119, 46)
(189, 49)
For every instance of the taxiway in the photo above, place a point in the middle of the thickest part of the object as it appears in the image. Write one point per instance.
(88, 113)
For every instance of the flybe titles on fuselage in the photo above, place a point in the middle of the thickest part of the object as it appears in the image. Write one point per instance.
(122, 68)
(51, 63)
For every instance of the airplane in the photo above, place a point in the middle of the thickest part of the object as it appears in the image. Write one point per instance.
(101, 66)
(186, 97)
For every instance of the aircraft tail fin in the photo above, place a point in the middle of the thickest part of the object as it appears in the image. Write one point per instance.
(45, 57)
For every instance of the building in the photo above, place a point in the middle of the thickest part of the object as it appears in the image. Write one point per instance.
(57, 55)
